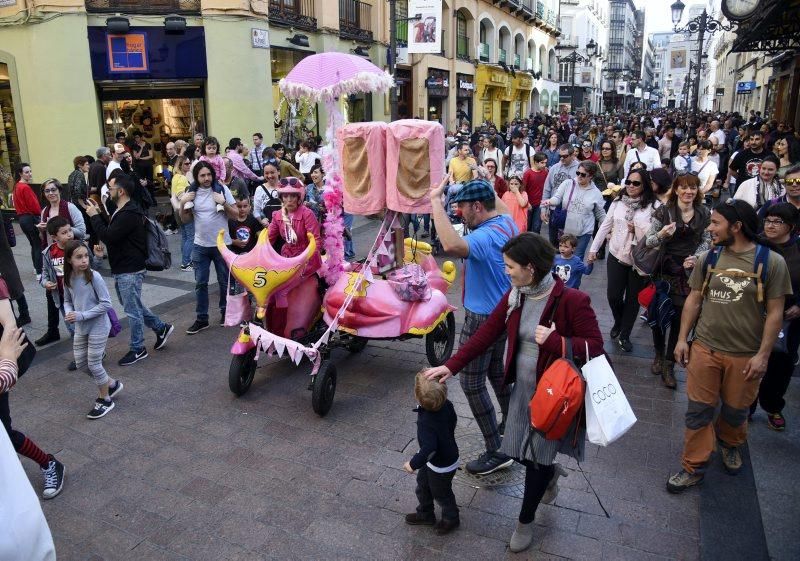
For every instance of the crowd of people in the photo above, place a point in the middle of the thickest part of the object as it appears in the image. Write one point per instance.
(716, 198)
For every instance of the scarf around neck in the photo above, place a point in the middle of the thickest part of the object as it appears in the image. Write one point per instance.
(530, 291)
(631, 206)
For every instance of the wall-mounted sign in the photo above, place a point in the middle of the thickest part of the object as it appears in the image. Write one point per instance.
(466, 85)
(720, 91)
(745, 87)
(425, 34)
(438, 83)
(127, 53)
(7, 2)
(260, 38)
(677, 59)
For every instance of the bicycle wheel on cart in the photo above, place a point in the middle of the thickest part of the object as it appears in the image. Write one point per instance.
(439, 342)
(242, 371)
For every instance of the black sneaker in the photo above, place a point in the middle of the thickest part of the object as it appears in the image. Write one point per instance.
(47, 338)
(163, 335)
(421, 519)
(72, 367)
(132, 357)
(489, 462)
(23, 320)
(101, 407)
(115, 390)
(625, 345)
(197, 327)
(53, 478)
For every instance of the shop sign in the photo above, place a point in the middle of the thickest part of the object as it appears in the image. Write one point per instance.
(127, 53)
(425, 33)
(466, 87)
(260, 38)
(745, 87)
(4, 3)
(438, 83)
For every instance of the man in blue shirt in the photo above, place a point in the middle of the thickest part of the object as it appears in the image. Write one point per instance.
(485, 282)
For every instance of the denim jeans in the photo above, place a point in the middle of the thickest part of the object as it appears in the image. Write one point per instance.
(129, 292)
(202, 257)
(349, 248)
(534, 219)
(583, 245)
(187, 243)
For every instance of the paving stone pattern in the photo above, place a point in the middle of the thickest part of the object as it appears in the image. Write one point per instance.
(182, 469)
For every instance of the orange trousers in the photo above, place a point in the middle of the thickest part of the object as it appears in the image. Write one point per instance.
(712, 377)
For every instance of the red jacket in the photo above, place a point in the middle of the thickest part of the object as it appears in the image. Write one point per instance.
(533, 182)
(25, 201)
(574, 318)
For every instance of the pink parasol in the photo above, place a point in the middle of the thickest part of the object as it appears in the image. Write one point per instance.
(326, 76)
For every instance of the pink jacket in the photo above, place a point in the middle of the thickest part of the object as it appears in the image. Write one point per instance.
(621, 243)
(218, 165)
(303, 222)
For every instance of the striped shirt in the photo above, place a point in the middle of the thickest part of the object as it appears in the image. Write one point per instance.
(8, 374)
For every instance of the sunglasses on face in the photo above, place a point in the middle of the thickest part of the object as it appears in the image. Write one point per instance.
(792, 181)
(633, 182)
(563, 156)
(581, 174)
(290, 181)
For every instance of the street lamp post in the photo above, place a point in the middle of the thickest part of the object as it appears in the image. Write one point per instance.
(574, 58)
(701, 25)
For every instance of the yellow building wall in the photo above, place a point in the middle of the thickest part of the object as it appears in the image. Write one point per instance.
(57, 100)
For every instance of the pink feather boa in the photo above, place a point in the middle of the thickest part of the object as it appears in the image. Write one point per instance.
(334, 222)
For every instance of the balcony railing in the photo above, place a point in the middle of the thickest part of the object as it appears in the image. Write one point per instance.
(462, 47)
(401, 31)
(355, 20)
(539, 10)
(501, 56)
(517, 59)
(529, 64)
(298, 14)
(483, 52)
(187, 7)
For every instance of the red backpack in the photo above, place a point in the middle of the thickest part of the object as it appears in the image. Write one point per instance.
(559, 395)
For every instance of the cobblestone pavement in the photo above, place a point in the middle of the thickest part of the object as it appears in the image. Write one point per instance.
(182, 469)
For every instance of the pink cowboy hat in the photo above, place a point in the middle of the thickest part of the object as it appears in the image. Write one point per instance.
(292, 186)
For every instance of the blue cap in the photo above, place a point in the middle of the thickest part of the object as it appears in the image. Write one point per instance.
(474, 190)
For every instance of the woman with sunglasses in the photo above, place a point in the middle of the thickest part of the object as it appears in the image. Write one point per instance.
(583, 203)
(609, 162)
(178, 186)
(780, 223)
(680, 228)
(587, 153)
(761, 189)
(54, 205)
(627, 221)
(704, 168)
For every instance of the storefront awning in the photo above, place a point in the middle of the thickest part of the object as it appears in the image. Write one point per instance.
(112, 90)
(776, 26)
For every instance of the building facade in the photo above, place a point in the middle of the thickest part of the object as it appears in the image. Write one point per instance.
(583, 21)
(624, 56)
(73, 73)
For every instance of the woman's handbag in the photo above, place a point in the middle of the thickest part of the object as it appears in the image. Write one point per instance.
(559, 215)
(559, 395)
(608, 413)
(237, 307)
(647, 260)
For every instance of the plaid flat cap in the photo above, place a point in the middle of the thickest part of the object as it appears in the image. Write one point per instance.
(474, 190)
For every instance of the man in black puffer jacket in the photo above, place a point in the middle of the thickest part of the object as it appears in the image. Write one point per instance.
(125, 236)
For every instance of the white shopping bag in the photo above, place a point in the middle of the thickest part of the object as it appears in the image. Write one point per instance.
(608, 413)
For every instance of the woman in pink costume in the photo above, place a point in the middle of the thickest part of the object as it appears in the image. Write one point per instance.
(294, 222)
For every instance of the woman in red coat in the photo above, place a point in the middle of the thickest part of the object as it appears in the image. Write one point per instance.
(537, 313)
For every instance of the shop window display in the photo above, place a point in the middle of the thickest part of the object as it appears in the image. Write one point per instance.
(9, 141)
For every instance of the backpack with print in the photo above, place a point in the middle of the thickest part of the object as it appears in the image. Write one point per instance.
(158, 257)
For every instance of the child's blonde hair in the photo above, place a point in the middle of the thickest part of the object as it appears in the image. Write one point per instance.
(430, 394)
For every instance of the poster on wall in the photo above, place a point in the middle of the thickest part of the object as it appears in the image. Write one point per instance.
(677, 59)
(4, 3)
(425, 33)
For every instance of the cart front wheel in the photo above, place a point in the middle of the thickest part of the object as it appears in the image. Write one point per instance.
(439, 342)
(324, 388)
(242, 371)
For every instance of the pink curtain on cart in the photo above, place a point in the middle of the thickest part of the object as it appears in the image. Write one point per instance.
(414, 162)
(362, 153)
